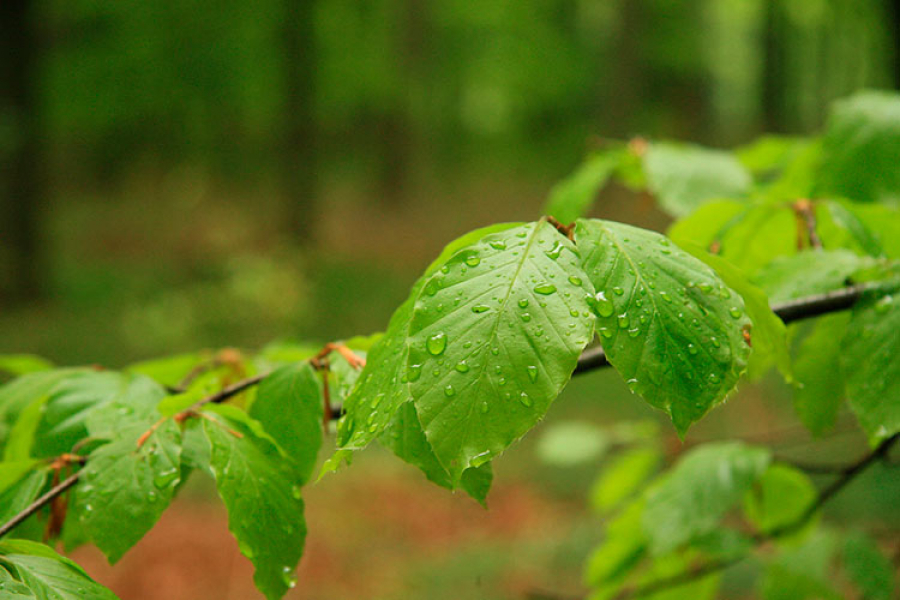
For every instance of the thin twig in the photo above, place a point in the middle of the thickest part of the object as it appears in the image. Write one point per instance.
(39, 503)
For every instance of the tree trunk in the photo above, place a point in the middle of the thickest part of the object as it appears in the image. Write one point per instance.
(299, 135)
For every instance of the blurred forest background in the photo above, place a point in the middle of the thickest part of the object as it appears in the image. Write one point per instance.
(181, 174)
(178, 174)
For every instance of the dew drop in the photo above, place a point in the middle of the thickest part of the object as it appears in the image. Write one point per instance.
(473, 261)
(413, 372)
(706, 288)
(555, 251)
(692, 349)
(575, 280)
(603, 305)
(484, 407)
(288, 577)
(526, 317)
(523, 303)
(525, 399)
(605, 332)
(462, 366)
(713, 378)
(498, 245)
(714, 341)
(618, 291)
(449, 391)
(623, 321)
(296, 492)
(634, 332)
(544, 289)
(480, 308)
(436, 344)
(532, 373)
(735, 312)
(665, 296)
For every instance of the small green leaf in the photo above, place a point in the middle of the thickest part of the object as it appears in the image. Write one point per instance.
(261, 491)
(669, 325)
(770, 154)
(48, 575)
(289, 407)
(870, 366)
(568, 443)
(801, 572)
(868, 567)
(840, 225)
(623, 547)
(21, 436)
(819, 381)
(169, 370)
(20, 364)
(779, 499)
(623, 477)
(572, 197)
(692, 498)
(861, 149)
(481, 379)
(684, 177)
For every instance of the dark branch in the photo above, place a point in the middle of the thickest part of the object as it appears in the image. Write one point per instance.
(39, 503)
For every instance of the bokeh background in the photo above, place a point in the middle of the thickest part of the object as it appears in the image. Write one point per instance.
(179, 174)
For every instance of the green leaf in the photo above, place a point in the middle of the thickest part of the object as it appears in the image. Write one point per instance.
(840, 226)
(623, 477)
(884, 223)
(770, 154)
(48, 575)
(861, 149)
(801, 572)
(261, 491)
(20, 364)
(71, 402)
(18, 495)
(620, 551)
(383, 386)
(808, 273)
(572, 197)
(779, 499)
(768, 334)
(684, 177)
(12, 471)
(868, 567)
(289, 407)
(405, 438)
(568, 443)
(22, 391)
(21, 436)
(693, 497)
(669, 325)
(818, 379)
(129, 482)
(870, 365)
(169, 370)
(14, 589)
(494, 338)
(705, 226)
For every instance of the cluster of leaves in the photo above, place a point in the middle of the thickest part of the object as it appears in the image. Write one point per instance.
(781, 219)
(488, 338)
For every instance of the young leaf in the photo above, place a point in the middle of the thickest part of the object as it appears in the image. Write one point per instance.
(569, 443)
(801, 572)
(684, 177)
(861, 149)
(19, 494)
(691, 499)
(623, 547)
(261, 491)
(383, 384)
(48, 575)
(780, 498)
(869, 568)
(870, 365)
(572, 197)
(129, 482)
(623, 478)
(20, 364)
(494, 338)
(819, 382)
(289, 407)
(669, 325)
(22, 391)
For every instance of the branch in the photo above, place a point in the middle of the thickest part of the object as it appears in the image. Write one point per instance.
(849, 473)
(39, 503)
(789, 312)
